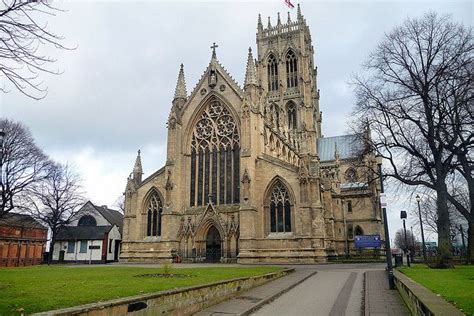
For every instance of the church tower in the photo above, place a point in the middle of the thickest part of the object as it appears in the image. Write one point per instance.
(287, 73)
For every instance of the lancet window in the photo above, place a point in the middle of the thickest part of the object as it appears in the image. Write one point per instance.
(280, 208)
(291, 70)
(215, 157)
(154, 211)
(272, 73)
(291, 114)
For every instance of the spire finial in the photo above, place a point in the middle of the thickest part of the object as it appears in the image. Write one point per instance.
(137, 168)
(250, 73)
(278, 20)
(180, 91)
(259, 24)
(213, 47)
(298, 13)
(269, 24)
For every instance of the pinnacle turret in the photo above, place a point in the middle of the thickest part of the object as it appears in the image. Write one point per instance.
(137, 168)
(298, 13)
(278, 20)
(269, 23)
(259, 24)
(251, 73)
(180, 91)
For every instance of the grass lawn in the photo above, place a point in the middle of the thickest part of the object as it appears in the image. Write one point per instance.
(43, 288)
(454, 285)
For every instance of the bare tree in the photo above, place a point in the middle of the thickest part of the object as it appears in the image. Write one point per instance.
(23, 32)
(120, 203)
(411, 241)
(56, 200)
(401, 97)
(23, 164)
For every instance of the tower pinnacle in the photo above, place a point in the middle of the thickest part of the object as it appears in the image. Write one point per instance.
(180, 91)
(250, 74)
(137, 168)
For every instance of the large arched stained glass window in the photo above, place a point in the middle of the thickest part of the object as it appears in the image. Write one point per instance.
(154, 210)
(280, 208)
(291, 70)
(272, 73)
(215, 157)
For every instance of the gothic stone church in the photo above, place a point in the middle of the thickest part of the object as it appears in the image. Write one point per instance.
(248, 175)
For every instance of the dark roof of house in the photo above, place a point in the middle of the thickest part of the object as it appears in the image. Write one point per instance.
(348, 146)
(82, 232)
(112, 216)
(20, 220)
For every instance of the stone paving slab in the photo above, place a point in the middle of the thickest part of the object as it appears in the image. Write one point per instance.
(379, 299)
(251, 300)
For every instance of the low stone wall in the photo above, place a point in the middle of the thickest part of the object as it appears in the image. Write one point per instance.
(184, 301)
(420, 300)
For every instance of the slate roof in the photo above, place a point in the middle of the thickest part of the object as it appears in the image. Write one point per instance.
(20, 220)
(112, 216)
(348, 146)
(82, 232)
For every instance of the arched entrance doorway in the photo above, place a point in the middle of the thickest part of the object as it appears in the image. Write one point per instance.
(213, 245)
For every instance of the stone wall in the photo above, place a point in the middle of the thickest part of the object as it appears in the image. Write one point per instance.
(420, 300)
(185, 301)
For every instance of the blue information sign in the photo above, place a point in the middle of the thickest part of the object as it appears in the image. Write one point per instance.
(367, 241)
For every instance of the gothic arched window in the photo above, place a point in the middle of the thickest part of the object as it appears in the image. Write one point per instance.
(351, 175)
(154, 210)
(272, 73)
(358, 231)
(215, 157)
(291, 114)
(87, 220)
(291, 69)
(280, 208)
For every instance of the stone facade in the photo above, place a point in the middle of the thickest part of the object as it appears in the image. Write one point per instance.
(248, 175)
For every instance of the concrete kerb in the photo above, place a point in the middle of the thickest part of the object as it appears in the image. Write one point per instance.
(100, 307)
(275, 296)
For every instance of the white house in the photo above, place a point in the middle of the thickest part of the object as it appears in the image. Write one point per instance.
(94, 236)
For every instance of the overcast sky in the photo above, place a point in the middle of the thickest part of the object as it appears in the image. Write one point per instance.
(116, 90)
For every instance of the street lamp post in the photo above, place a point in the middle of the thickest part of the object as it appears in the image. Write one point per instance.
(418, 199)
(403, 216)
(388, 251)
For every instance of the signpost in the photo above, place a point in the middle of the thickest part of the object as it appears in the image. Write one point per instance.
(367, 241)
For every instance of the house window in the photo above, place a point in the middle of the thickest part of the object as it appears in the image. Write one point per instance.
(291, 70)
(215, 157)
(272, 73)
(280, 208)
(110, 245)
(349, 206)
(155, 208)
(83, 246)
(71, 246)
(87, 220)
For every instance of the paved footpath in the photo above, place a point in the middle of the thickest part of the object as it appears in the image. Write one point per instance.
(335, 289)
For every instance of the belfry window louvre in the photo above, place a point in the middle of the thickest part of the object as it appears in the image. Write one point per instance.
(154, 211)
(272, 73)
(291, 70)
(280, 209)
(215, 157)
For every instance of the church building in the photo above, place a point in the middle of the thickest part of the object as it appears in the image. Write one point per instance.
(248, 175)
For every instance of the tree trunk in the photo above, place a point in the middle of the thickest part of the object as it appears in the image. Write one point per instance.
(443, 225)
(470, 240)
(51, 248)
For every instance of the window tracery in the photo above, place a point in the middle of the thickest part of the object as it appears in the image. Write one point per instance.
(154, 210)
(215, 157)
(280, 208)
(291, 70)
(272, 71)
(291, 114)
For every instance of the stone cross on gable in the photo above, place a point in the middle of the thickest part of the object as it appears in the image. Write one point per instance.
(214, 46)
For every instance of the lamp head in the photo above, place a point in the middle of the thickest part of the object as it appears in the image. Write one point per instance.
(403, 214)
(418, 198)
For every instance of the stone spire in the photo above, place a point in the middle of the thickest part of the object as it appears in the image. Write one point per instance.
(298, 13)
(250, 73)
(289, 18)
(278, 20)
(137, 169)
(180, 91)
(259, 24)
(269, 23)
